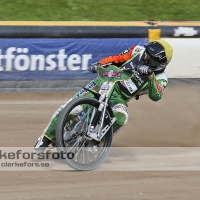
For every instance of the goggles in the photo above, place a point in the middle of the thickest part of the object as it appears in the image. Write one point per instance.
(153, 63)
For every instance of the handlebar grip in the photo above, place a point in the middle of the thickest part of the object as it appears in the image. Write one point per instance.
(128, 70)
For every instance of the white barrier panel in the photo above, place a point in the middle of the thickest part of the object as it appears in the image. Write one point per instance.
(186, 58)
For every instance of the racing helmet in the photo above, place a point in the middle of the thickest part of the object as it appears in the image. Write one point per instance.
(157, 55)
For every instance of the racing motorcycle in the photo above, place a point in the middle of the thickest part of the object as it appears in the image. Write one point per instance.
(84, 130)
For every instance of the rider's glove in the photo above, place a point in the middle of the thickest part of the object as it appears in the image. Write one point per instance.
(144, 69)
(93, 67)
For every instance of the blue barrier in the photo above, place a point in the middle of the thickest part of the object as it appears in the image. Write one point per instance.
(56, 59)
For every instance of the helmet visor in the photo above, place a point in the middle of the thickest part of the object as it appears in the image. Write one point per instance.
(154, 64)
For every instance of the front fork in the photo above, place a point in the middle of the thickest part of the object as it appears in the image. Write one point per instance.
(96, 116)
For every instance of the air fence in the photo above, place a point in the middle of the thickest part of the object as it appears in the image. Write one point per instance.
(53, 56)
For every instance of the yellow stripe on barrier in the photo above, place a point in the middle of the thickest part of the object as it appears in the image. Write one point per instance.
(154, 34)
(100, 23)
(72, 23)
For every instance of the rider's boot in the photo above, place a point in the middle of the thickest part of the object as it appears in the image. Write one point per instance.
(42, 143)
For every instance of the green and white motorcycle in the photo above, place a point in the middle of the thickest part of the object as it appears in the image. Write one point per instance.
(85, 126)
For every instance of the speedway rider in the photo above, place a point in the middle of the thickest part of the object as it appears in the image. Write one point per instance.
(147, 63)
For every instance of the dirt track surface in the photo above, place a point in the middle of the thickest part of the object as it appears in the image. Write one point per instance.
(100, 185)
(171, 122)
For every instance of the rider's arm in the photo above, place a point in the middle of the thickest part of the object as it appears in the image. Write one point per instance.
(156, 86)
(119, 59)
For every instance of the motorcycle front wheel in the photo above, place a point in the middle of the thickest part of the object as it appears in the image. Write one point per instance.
(81, 151)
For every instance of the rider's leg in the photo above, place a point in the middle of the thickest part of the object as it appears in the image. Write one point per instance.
(120, 109)
(49, 132)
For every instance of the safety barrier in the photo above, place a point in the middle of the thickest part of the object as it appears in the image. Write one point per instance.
(49, 55)
(129, 29)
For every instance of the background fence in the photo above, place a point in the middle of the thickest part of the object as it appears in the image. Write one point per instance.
(53, 56)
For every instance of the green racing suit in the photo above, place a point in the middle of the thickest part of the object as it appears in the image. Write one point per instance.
(122, 93)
